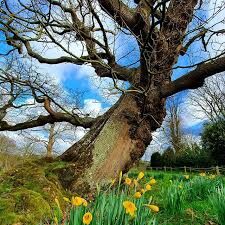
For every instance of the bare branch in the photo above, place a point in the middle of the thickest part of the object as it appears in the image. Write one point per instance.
(195, 78)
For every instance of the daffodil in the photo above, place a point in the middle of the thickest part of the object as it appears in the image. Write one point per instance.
(152, 181)
(135, 182)
(113, 182)
(140, 176)
(212, 176)
(186, 177)
(66, 199)
(128, 181)
(130, 207)
(56, 220)
(148, 187)
(87, 218)
(137, 194)
(57, 202)
(85, 203)
(153, 208)
(142, 190)
(202, 174)
(77, 201)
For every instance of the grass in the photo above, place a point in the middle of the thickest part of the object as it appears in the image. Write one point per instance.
(32, 193)
(217, 200)
(181, 200)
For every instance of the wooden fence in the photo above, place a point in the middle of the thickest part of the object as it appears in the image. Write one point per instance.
(216, 169)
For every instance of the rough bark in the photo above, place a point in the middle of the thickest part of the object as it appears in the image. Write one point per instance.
(119, 139)
(115, 143)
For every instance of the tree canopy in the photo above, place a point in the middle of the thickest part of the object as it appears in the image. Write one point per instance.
(85, 32)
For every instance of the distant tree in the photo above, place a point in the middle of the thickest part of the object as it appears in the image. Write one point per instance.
(168, 157)
(173, 123)
(194, 156)
(156, 159)
(191, 154)
(7, 145)
(213, 140)
(19, 101)
(209, 100)
(49, 137)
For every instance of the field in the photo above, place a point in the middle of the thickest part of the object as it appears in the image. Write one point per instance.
(151, 198)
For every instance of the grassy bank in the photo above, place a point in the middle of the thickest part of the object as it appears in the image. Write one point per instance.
(157, 198)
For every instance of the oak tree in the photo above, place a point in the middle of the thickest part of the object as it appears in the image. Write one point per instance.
(85, 33)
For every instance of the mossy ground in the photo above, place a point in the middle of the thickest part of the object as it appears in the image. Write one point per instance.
(28, 192)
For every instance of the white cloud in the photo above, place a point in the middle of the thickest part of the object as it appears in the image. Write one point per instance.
(192, 115)
(92, 107)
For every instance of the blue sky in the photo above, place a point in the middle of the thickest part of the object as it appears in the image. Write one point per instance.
(75, 78)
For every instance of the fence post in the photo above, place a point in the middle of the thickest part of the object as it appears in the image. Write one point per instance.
(190, 169)
(185, 169)
(165, 168)
(217, 170)
(171, 169)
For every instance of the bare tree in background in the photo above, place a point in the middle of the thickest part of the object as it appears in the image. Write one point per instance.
(85, 32)
(51, 137)
(209, 100)
(173, 126)
(7, 145)
(18, 92)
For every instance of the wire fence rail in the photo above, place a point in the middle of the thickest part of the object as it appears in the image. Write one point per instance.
(214, 169)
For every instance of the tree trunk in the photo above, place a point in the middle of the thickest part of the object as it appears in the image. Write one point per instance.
(51, 141)
(115, 143)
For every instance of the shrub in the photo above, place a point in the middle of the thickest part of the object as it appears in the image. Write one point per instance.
(213, 141)
(156, 159)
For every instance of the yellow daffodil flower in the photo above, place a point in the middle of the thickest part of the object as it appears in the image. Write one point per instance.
(57, 202)
(153, 208)
(66, 199)
(137, 194)
(212, 176)
(85, 203)
(152, 181)
(113, 181)
(128, 181)
(121, 174)
(140, 175)
(135, 182)
(142, 190)
(130, 207)
(77, 201)
(202, 174)
(186, 177)
(56, 220)
(87, 218)
(148, 187)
